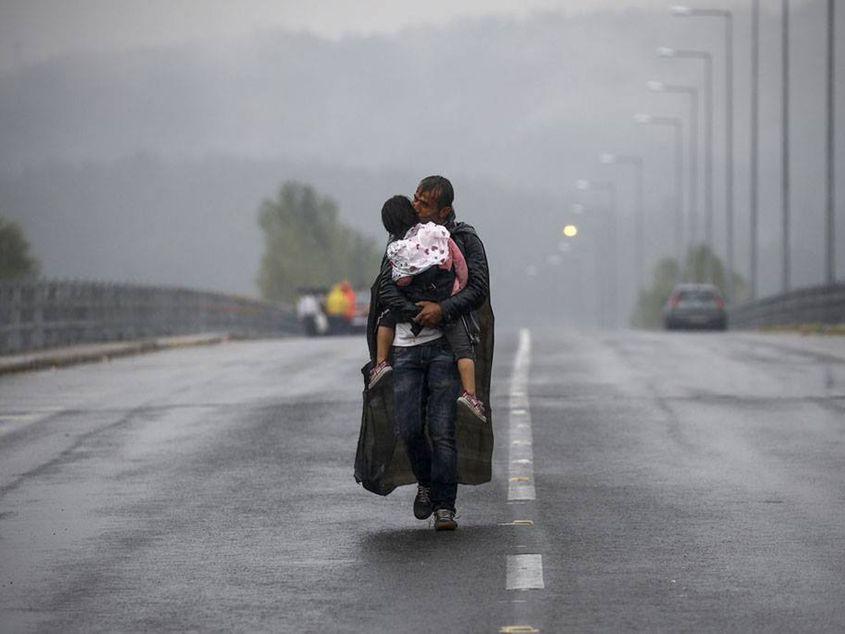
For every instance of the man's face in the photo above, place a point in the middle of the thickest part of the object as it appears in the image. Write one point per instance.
(426, 206)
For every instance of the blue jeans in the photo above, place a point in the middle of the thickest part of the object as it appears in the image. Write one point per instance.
(426, 389)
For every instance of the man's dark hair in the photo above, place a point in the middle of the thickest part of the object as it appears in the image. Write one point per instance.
(440, 187)
(398, 215)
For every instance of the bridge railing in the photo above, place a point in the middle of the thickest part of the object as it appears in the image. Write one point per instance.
(47, 313)
(818, 305)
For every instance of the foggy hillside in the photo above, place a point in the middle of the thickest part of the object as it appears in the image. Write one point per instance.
(150, 165)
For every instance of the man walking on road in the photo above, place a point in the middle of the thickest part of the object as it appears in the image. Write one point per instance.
(426, 385)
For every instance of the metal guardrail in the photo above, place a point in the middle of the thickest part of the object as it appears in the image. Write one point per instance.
(824, 305)
(48, 313)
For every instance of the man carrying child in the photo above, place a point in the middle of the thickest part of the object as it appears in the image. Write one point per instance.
(426, 382)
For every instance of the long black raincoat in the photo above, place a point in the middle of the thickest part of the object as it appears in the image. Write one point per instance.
(381, 462)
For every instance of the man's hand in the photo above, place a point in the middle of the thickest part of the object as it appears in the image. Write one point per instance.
(430, 314)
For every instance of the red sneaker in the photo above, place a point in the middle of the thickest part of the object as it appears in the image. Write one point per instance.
(472, 403)
(378, 373)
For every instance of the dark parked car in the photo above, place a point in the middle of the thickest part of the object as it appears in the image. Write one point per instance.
(695, 306)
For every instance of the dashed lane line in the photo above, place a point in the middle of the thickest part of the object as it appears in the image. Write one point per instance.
(524, 572)
(521, 455)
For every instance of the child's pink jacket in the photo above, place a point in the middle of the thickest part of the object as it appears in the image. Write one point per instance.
(424, 246)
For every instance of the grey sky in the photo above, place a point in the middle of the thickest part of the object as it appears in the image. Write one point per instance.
(180, 139)
(32, 30)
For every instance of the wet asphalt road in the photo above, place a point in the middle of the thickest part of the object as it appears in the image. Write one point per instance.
(684, 482)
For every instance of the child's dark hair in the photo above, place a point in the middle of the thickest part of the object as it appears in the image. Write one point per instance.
(398, 215)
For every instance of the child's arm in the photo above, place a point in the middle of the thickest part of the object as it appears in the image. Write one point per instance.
(391, 297)
(477, 289)
(459, 263)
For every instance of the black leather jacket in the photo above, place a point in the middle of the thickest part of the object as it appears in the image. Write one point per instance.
(433, 285)
(477, 290)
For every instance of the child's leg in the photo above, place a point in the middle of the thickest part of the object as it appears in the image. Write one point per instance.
(461, 346)
(384, 341)
(466, 370)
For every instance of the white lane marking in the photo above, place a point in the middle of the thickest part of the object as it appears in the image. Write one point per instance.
(525, 572)
(521, 475)
(518, 523)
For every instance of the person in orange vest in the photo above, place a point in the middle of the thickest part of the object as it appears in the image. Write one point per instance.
(349, 296)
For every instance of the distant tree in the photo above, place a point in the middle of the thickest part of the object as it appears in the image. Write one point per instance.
(305, 244)
(15, 260)
(701, 266)
(647, 313)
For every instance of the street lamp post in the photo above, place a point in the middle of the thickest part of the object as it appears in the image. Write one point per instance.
(785, 142)
(637, 162)
(708, 131)
(830, 257)
(692, 91)
(610, 188)
(755, 132)
(729, 129)
(676, 124)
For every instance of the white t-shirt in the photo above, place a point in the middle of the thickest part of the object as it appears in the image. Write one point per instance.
(404, 338)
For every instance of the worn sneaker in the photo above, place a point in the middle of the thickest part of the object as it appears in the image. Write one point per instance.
(444, 520)
(378, 373)
(472, 403)
(422, 503)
